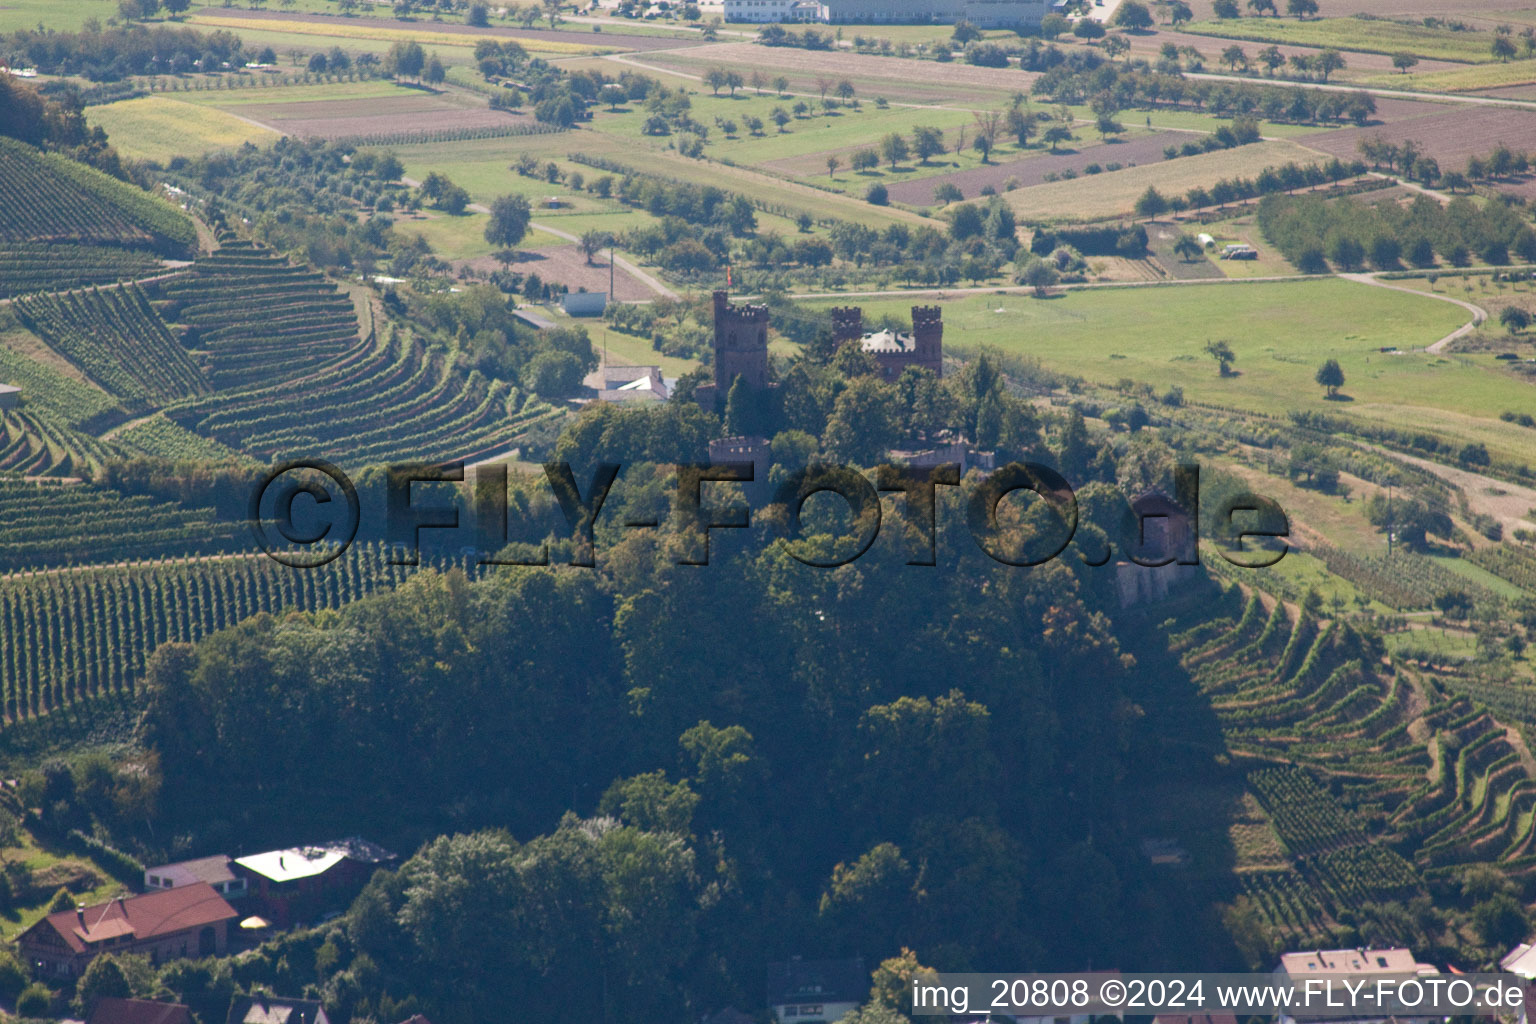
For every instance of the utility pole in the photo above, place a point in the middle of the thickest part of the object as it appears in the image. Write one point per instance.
(611, 296)
(1390, 523)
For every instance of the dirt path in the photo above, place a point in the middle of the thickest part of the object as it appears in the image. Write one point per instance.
(1479, 314)
(1511, 506)
(629, 268)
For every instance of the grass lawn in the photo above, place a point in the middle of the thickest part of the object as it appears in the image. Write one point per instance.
(1357, 34)
(463, 237)
(376, 88)
(1281, 333)
(63, 15)
(307, 42)
(626, 348)
(38, 859)
(1114, 193)
(1483, 76)
(159, 128)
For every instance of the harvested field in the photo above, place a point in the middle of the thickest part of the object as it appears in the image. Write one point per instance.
(529, 38)
(400, 115)
(1114, 194)
(1033, 169)
(1449, 136)
(1149, 45)
(1395, 8)
(327, 31)
(1353, 35)
(896, 78)
(160, 128)
(566, 264)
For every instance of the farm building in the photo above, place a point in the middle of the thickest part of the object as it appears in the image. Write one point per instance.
(189, 920)
(10, 396)
(584, 303)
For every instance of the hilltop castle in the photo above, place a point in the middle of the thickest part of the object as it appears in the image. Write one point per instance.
(893, 350)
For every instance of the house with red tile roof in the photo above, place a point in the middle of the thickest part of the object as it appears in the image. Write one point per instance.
(111, 1010)
(189, 920)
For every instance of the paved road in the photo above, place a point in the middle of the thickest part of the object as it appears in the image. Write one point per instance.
(1479, 314)
(1396, 94)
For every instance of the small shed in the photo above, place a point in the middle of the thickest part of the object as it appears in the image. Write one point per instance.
(584, 303)
(10, 396)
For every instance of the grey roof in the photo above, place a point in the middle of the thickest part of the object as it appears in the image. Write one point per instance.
(212, 870)
(817, 981)
(268, 1009)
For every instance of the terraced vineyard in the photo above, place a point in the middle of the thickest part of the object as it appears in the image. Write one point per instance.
(27, 267)
(393, 400)
(69, 634)
(115, 338)
(34, 444)
(45, 197)
(1367, 812)
(52, 523)
(259, 318)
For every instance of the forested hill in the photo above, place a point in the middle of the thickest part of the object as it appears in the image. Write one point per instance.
(806, 762)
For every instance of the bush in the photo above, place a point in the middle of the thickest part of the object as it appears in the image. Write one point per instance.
(877, 195)
(12, 978)
(34, 1000)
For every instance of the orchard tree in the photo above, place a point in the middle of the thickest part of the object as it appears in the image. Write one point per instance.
(1331, 376)
(1133, 15)
(406, 59)
(1301, 9)
(1039, 275)
(1222, 352)
(1188, 249)
(1152, 204)
(1404, 61)
(508, 224)
(592, 242)
(927, 142)
(1514, 319)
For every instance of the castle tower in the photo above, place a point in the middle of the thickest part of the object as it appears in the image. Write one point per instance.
(847, 324)
(928, 338)
(741, 345)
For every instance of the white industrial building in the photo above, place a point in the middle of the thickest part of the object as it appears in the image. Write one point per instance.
(982, 13)
(771, 11)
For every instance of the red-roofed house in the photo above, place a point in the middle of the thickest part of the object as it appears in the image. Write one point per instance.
(111, 1010)
(189, 920)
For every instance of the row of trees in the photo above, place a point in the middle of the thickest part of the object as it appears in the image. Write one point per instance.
(1313, 232)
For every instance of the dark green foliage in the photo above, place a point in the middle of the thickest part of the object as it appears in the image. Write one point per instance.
(1300, 225)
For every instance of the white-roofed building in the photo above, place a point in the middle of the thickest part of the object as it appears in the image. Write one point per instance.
(1354, 963)
(633, 384)
(303, 881)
